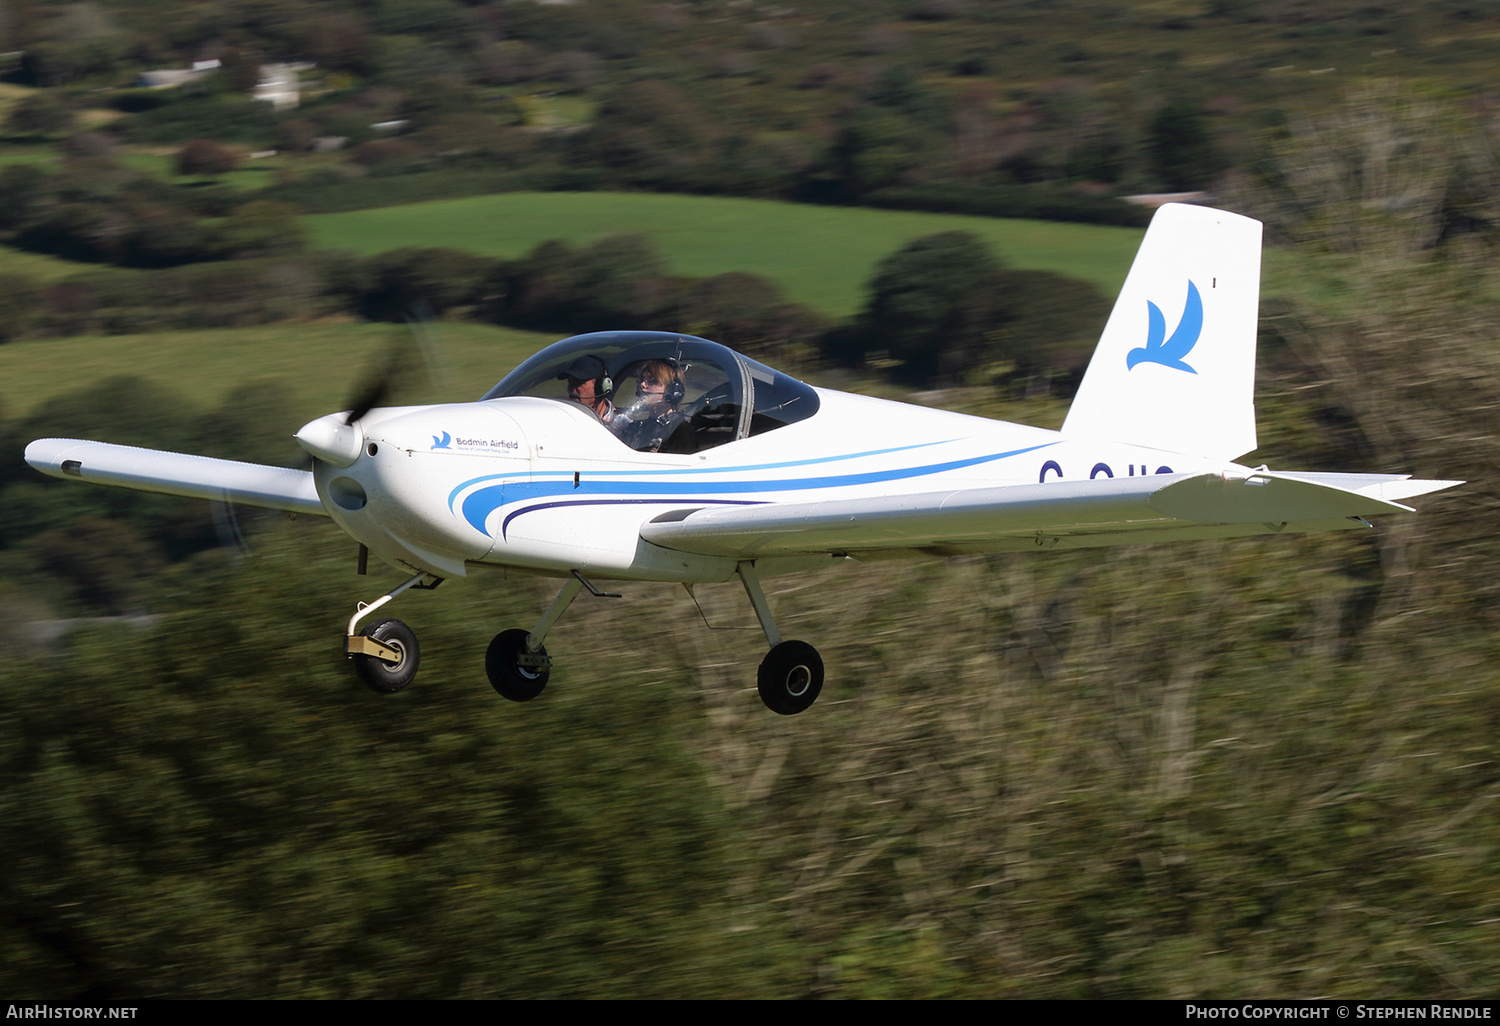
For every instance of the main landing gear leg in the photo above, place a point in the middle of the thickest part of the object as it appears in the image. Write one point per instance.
(791, 674)
(517, 662)
(385, 654)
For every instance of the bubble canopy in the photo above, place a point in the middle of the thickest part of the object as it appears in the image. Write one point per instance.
(726, 395)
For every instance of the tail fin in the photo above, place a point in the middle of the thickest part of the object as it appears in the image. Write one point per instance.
(1175, 367)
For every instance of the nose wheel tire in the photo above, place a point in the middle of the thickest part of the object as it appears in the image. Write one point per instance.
(514, 673)
(790, 677)
(379, 675)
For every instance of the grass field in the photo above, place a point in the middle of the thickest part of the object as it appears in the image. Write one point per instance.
(162, 162)
(318, 364)
(11, 154)
(39, 267)
(821, 256)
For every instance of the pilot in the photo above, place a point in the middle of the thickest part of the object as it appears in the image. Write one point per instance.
(589, 383)
(655, 422)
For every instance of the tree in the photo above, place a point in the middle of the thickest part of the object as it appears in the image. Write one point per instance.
(930, 304)
(873, 150)
(1183, 152)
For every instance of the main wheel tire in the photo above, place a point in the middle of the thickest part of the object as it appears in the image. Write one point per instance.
(510, 679)
(379, 675)
(790, 677)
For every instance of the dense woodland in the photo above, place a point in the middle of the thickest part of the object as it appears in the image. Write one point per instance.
(1264, 768)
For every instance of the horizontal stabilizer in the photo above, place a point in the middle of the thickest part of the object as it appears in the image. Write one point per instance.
(176, 473)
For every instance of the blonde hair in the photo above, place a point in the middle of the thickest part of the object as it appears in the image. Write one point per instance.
(660, 370)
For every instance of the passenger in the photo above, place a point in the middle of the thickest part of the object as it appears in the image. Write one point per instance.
(589, 383)
(655, 422)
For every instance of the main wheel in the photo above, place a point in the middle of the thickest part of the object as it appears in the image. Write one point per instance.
(790, 677)
(507, 676)
(379, 675)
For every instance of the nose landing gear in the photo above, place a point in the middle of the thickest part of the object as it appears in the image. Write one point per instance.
(386, 653)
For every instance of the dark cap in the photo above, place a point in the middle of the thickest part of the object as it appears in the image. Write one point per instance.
(585, 368)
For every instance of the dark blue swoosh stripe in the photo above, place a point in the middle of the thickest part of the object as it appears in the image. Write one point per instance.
(505, 524)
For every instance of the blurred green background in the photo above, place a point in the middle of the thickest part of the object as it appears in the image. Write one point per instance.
(1263, 768)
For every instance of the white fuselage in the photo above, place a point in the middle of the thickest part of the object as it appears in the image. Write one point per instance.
(542, 485)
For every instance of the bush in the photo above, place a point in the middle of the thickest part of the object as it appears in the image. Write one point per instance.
(618, 281)
(161, 236)
(221, 294)
(20, 306)
(188, 116)
(206, 157)
(262, 228)
(23, 186)
(40, 116)
(1043, 202)
(404, 282)
(377, 152)
(746, 312)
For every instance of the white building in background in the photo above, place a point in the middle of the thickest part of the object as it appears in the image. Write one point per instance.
(280, 84)
(170, 78)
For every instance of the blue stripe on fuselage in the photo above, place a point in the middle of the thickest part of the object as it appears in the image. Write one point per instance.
(678, 471)
(480, 503)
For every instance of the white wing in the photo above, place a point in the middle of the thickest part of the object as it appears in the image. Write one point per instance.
(176, 473)
(1066, 514)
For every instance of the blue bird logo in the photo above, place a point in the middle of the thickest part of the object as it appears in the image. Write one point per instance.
(441, 442)
(1171, 352)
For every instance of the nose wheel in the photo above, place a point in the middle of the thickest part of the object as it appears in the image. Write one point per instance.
(390, 663)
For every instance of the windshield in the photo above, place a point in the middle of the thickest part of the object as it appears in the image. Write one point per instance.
(663, 392)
